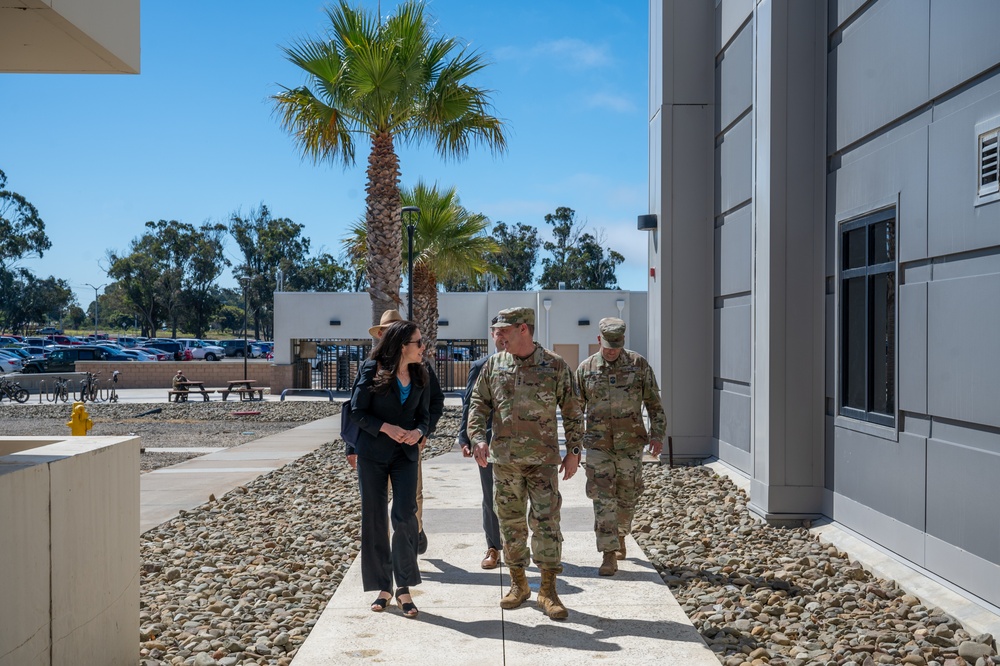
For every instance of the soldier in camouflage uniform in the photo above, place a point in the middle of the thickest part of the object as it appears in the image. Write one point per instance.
(522, 386)
(614, 385)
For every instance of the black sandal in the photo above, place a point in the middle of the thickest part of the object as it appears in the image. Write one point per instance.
(379, 604)
(409, 609)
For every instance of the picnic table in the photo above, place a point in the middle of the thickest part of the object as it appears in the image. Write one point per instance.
(244, 388)
(191, 387)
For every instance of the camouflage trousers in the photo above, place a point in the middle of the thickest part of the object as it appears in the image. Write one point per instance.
(514, 487)
(614, 483)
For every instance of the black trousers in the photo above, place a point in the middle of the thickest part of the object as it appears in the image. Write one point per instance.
(380, 563)
(491, 526)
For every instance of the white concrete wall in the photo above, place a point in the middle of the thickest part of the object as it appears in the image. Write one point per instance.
(308, 316)
(82, 36)
(69, 551)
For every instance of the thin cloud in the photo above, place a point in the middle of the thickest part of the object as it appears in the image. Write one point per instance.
(611, 102)
(568, 52)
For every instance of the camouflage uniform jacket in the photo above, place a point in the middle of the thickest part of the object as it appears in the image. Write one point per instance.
(613, 395)
(523, 394)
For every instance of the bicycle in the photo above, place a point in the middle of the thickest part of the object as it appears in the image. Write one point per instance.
(13, 391)
(60, 391)
(88, 387)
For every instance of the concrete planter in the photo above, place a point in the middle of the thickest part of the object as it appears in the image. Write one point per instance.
(69, 551)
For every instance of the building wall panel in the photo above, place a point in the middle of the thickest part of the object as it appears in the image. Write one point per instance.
(734, 160)
(732, 325)
(733, 253)
(732, 411)
(729, 16)
(951, 517)
(963, 354)
(841, 10)
(862, 465)
(963, 41)
(879, 70)
(735, 78)
(912, 364)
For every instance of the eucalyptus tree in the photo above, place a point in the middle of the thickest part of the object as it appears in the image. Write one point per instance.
(267, 244)
(22, 231)
(381, 82)
(578, 258)
(168, 274)
(451, 243)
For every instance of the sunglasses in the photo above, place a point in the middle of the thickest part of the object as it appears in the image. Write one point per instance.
(419, 343)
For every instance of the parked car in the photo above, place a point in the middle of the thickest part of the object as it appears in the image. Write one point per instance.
(114, 346)
(10, 362)
(200, 350)
(36, 351)
(169, 346)
(143, 355)
(234, 348)
(48, 330)
(261, 349)
(19, 351)
(64, 360)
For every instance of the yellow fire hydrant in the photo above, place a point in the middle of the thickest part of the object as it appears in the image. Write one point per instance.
(79, 423)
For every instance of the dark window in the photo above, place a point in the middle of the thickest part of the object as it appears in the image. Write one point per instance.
(868, 318)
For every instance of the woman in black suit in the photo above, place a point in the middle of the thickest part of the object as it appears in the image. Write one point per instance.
(391, 405)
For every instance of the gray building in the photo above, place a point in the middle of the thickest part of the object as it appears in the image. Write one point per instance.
(826, 262)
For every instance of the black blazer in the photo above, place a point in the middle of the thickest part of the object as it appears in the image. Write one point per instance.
(370, 410)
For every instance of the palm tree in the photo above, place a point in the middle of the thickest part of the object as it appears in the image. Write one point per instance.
(450, 243)
(383, 81)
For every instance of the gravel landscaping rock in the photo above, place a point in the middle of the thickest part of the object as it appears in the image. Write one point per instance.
(243, 579)
(766, 595)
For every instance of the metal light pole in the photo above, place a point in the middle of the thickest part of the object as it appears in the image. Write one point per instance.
(95, 304)
(411, 226)
(246, 283)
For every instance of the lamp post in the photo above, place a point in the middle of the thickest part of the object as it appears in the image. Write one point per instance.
(95, 304)
(246, 283)
(411, 226)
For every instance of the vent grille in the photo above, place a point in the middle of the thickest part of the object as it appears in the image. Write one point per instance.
(989, 163)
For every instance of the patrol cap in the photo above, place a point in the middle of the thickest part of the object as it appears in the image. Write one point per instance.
(612, 332)
(514, 316)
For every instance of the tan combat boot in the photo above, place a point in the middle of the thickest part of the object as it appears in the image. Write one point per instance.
(610, 564)
(621, 548)
(548, 600)
(519, 590)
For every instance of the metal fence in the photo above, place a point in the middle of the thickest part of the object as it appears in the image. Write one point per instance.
(337, 362)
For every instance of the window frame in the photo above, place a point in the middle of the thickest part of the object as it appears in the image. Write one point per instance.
(987, 129)
(868, 271)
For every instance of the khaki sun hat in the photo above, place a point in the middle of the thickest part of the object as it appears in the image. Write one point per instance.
(389, 317)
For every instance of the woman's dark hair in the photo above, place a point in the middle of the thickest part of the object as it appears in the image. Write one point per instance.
(388, 352)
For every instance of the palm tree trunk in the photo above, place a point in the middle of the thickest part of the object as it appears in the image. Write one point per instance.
(385, 233)
(425, 307)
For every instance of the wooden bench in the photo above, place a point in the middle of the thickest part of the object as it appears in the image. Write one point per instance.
(245, 393)
(178, 396)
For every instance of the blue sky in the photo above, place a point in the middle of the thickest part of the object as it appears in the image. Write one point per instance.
(193, 137)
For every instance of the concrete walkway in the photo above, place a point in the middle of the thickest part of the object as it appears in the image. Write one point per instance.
(629, 618)
(164, 492)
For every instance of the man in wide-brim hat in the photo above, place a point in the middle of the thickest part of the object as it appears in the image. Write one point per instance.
(388, 318)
